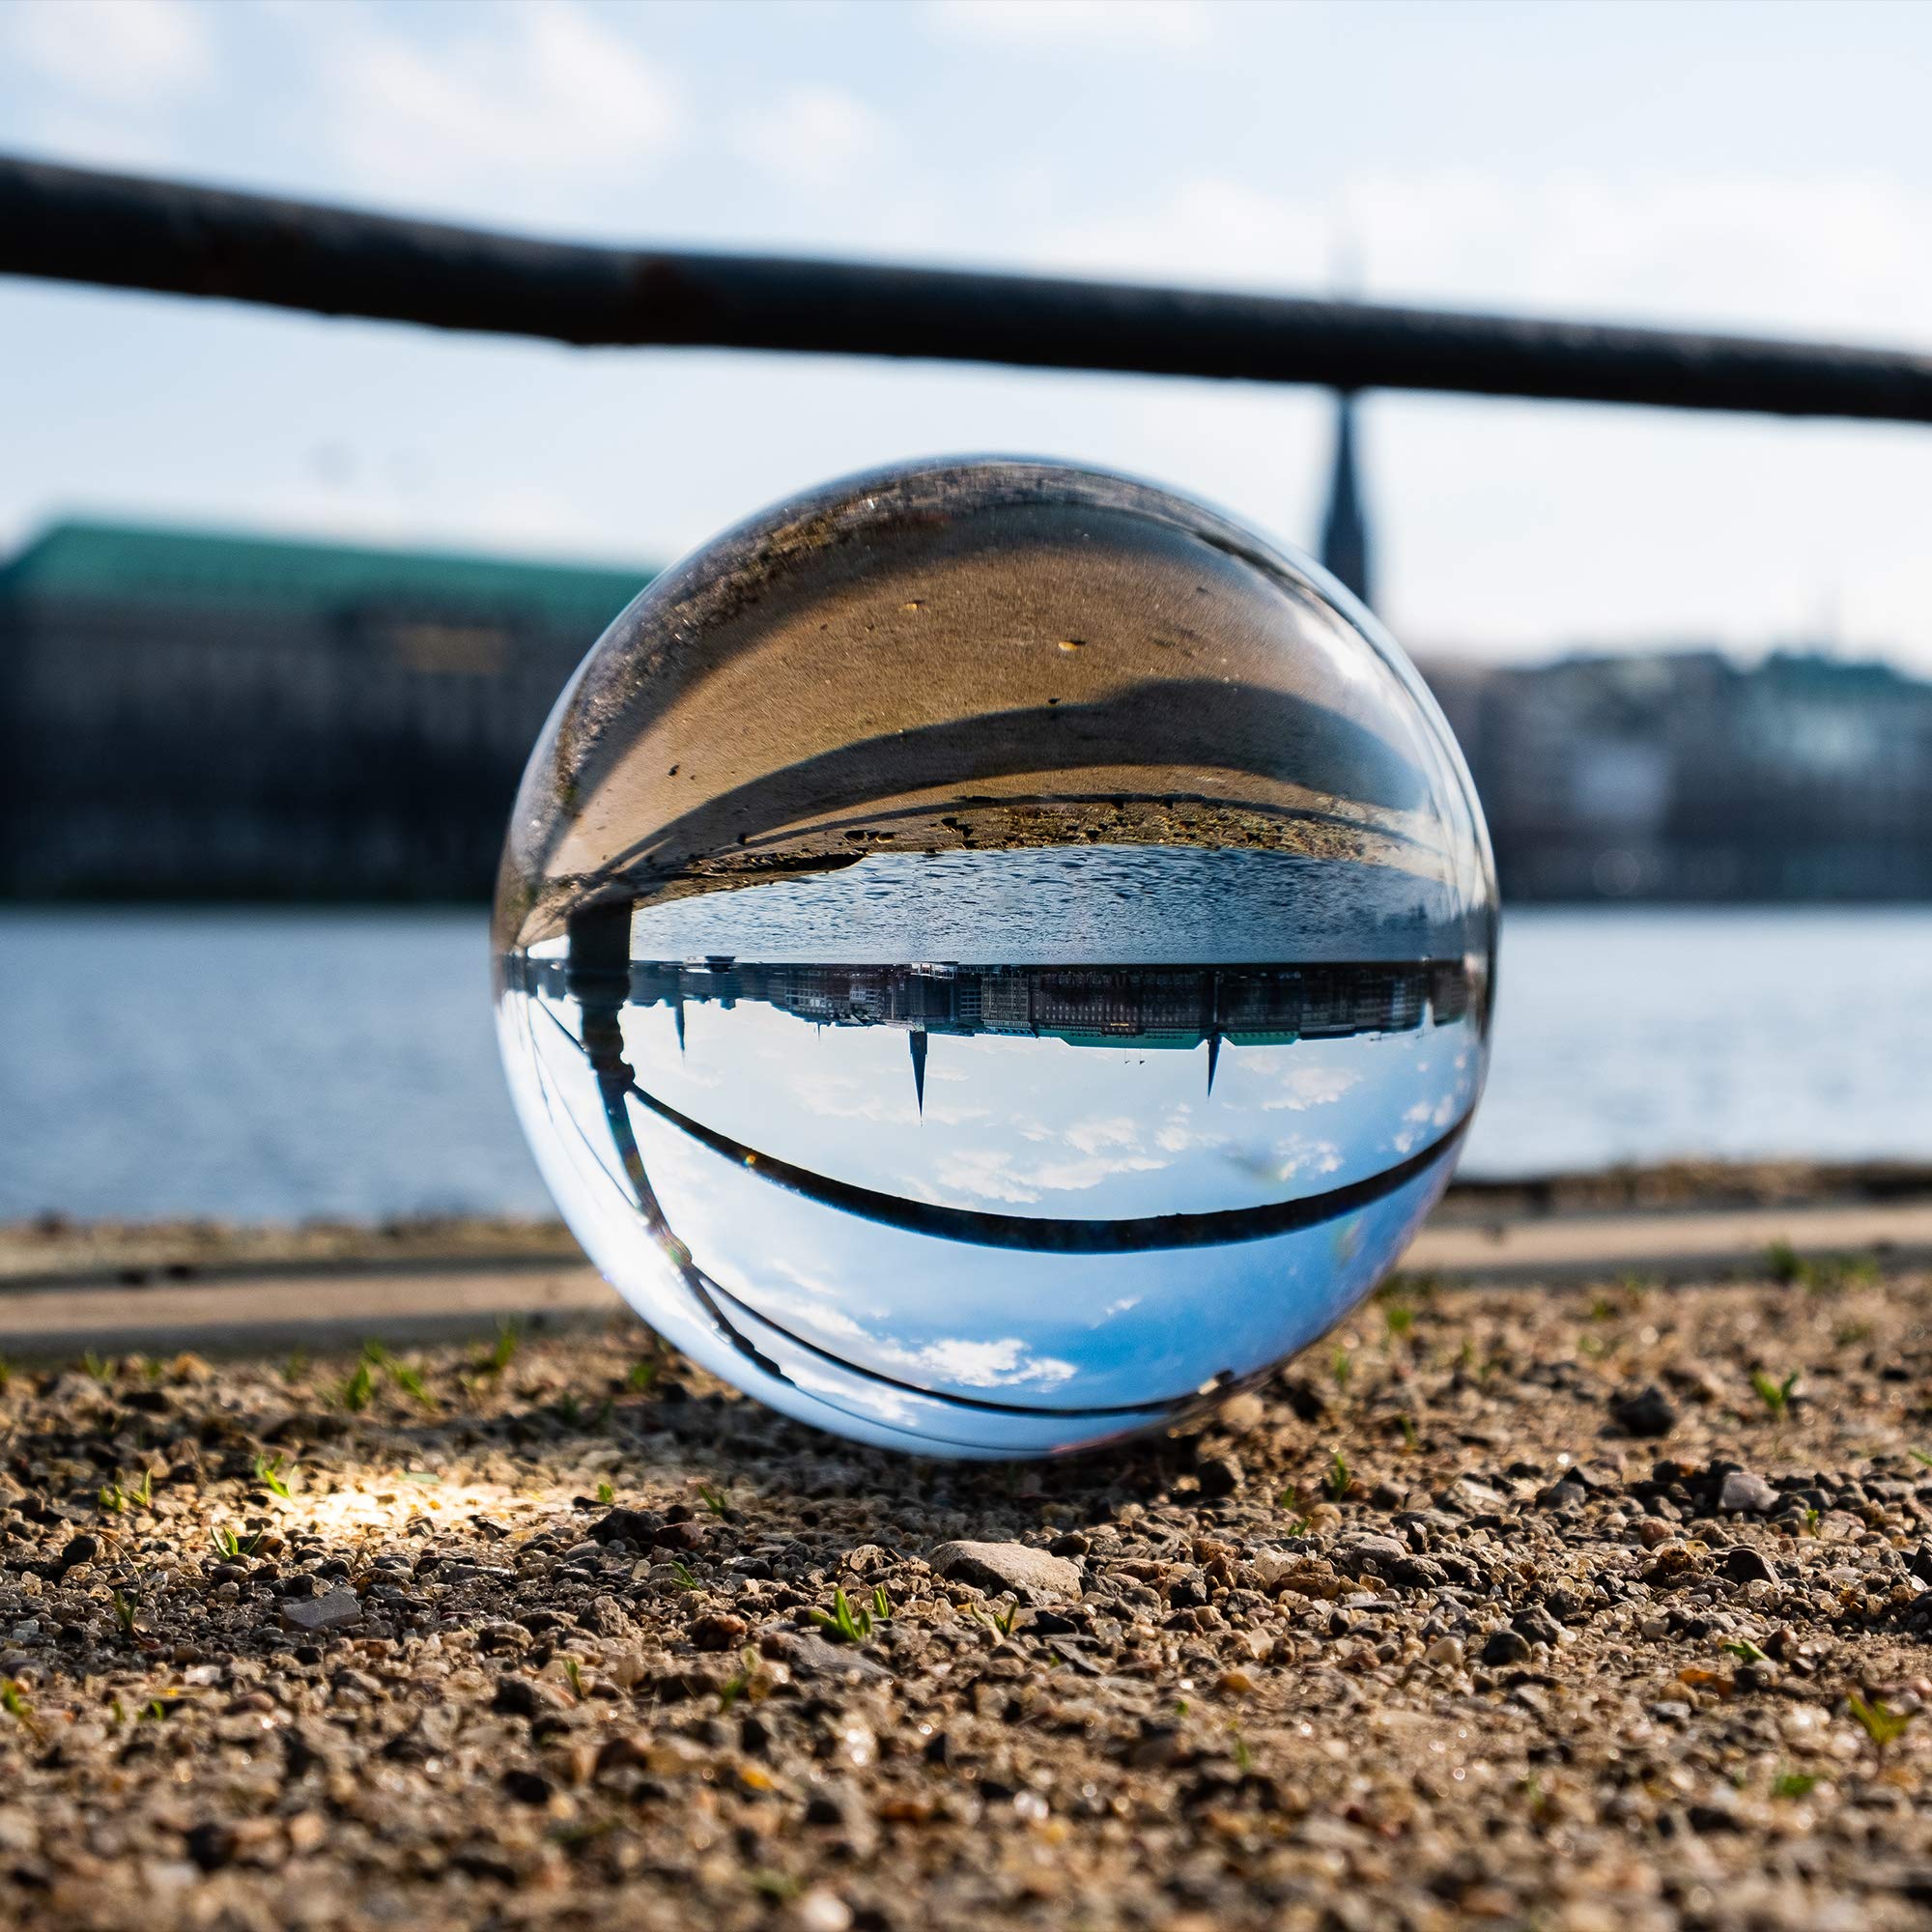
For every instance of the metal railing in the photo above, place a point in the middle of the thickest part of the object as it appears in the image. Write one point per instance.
(116, 231)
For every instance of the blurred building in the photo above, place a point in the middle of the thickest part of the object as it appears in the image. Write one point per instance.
(192, 715)
(1684, 775)
(185, 715)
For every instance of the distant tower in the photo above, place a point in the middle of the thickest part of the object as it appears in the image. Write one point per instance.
(1345, 527)
(918, 1039)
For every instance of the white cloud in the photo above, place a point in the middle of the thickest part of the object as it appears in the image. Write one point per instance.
(517, 117)
(130, 52)
(972, 1364)
(1842, 254)
(1305, 1087)
(1090, 1136)
(953, 1360)
(810, 137)
(1076, 23)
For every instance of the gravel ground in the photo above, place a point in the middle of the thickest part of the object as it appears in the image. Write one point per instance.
(1557, 1610)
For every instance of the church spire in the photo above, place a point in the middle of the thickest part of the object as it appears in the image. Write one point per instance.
(1345, 527)
(918, 1039)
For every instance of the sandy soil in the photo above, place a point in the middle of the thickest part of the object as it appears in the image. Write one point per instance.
(1423, 1634)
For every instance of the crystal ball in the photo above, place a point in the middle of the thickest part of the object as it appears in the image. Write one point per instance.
(991, 957)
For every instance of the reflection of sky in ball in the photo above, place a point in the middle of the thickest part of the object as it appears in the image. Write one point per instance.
(1097, 1331)
(1027, 1125)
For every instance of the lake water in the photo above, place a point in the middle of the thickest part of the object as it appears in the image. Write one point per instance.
(288, 1065)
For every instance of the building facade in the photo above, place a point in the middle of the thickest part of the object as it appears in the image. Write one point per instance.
(1683, 775)
(186, 715)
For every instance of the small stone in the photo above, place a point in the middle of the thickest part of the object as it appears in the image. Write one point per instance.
(1031, 1574)
(1645, 1413)
(1568, 1494)
(519, 1697)
(1504, 1647)
(1381, 1552)
(1743, 1492)
(1219, 1476)
(636, 1526)
(814, 1656)
(1446, 1651)
(339, 1607)
(1538, 1627)
(529, 1787)
(717, 1632)
(81, 1550)
(1243, 1411)
(822, 1911)
(832, 1804)
(1744, 1564)
(209, 1845)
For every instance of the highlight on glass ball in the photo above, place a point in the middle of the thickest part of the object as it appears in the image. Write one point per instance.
(994, 957)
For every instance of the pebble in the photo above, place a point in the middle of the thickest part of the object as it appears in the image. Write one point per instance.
(1218, 1476)
(1506, 1647)
(80, 1549)
(1744, 1564)
(822, 1911)
(1031, 1574)
(1645, 1412)
(1744, 1492)
(337, 1610)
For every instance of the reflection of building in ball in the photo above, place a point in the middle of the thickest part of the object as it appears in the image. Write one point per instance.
(1156, 861)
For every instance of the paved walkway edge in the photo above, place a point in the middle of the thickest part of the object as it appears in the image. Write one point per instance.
(253, 1314)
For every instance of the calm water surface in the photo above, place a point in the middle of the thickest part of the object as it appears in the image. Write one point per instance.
(279, 1066)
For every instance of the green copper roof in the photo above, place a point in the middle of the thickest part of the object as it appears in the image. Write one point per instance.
(121, 562)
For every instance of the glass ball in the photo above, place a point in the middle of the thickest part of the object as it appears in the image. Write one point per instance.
(991, 957)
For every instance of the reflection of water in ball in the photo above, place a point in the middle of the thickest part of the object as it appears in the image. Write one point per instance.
(990, 954)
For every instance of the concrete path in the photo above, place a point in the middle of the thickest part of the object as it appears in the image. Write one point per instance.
(332, 1307)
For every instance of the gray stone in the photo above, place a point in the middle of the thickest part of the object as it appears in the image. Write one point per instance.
(81, 1550)
(1743, 1565)
(1745, 1493)
(1506, 1646)
(812, 1656)
(1219, 1476)
(335, 1610)
(1031, 1574)
(1646, 1411)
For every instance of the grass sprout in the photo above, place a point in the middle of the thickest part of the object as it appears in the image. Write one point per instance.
(13, 1701)
(1880, 1723)
(853, 1623)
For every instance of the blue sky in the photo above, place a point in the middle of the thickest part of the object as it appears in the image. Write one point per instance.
(1747, 166)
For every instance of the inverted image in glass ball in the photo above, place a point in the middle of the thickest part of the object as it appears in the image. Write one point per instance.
(991, 956)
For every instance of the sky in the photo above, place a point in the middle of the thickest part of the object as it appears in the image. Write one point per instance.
(1743, 166)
